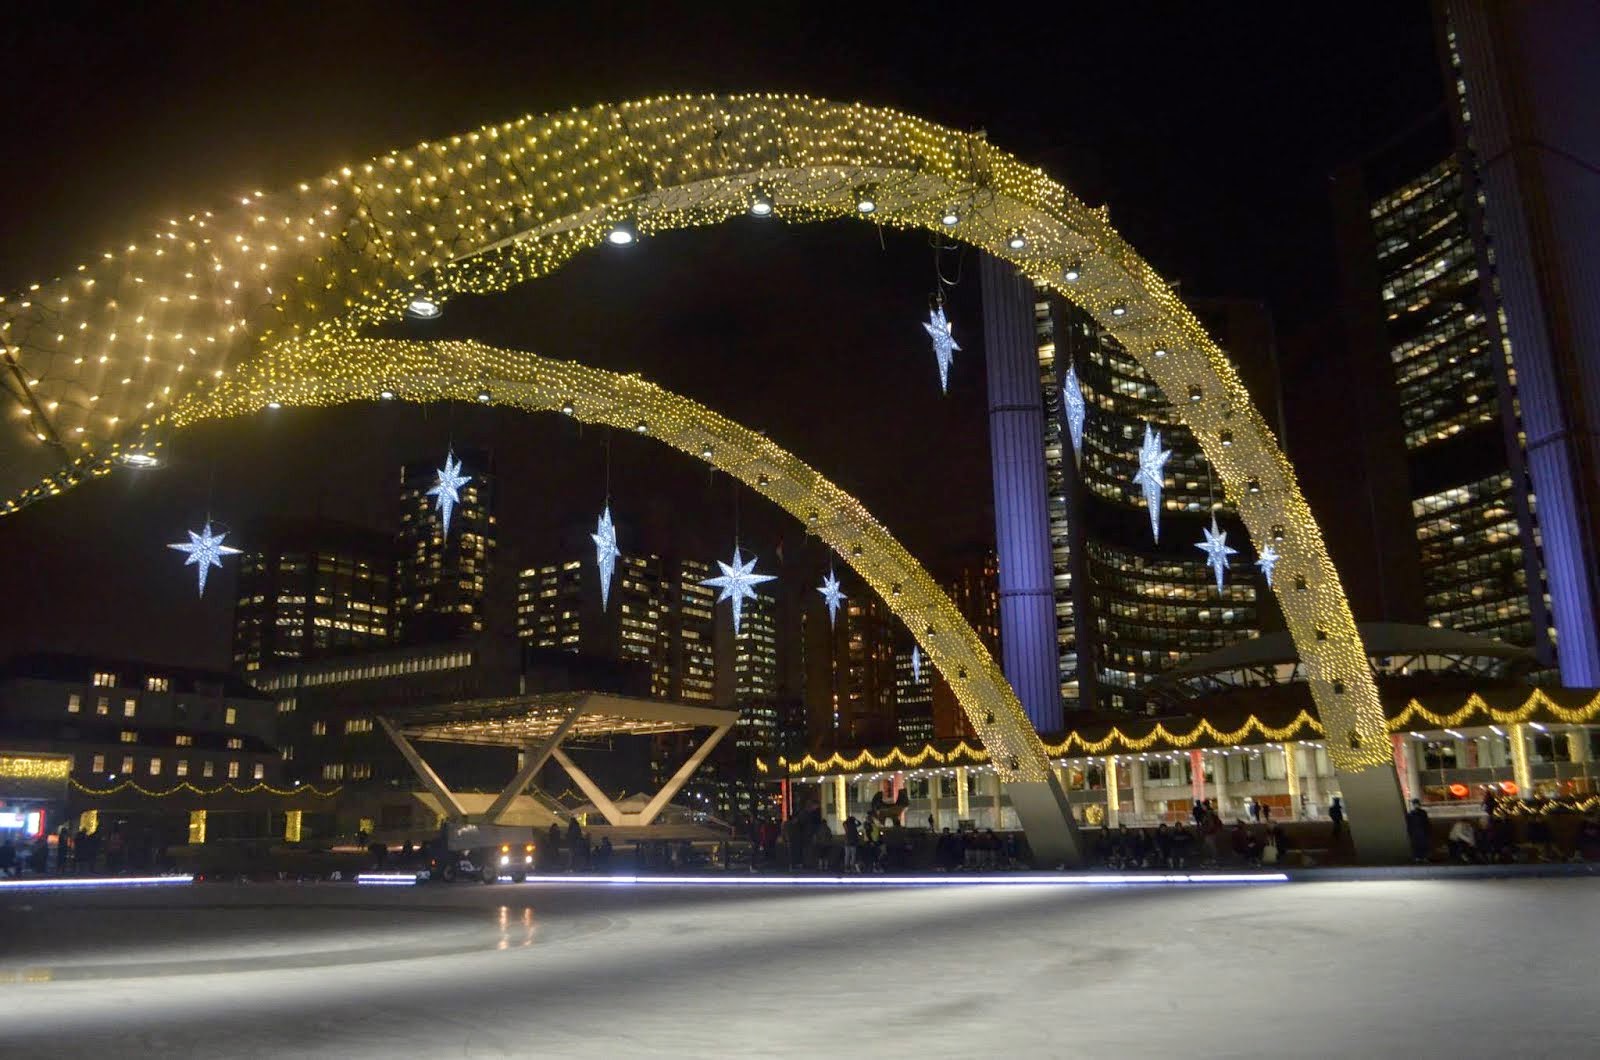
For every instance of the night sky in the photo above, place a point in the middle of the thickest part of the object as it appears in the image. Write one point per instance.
(1209, 130)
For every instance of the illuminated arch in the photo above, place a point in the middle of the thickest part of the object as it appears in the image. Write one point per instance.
(280, 283)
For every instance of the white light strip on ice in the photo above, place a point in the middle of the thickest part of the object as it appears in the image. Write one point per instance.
(62, 883)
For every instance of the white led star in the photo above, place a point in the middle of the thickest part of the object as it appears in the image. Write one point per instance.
(205, 551)
(1267, 560)
(448, 489)
(944, 344)
(1072, 399)
(605, 554)
(738, 582)
(830, 592)
(1152, 465)
(916, 665)
(1215, 546)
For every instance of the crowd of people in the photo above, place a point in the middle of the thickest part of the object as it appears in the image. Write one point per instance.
(1202, 841)
(82, 853)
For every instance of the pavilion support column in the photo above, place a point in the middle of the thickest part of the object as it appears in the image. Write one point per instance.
(1136, 770)
(933, 800)
(1219, 784)
(999, 813)
(1113, 795)
(424, 772)
(1291, 774)
(1313, 779)
(841, 803)
(1521, 768)
(533, 759)
(962, 810)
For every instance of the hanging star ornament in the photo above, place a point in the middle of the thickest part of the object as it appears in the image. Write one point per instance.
(605, 554)
(916, 665)
(1267, 560)
(1072, 398)
(1152, 467)
(944, 344)
(1215, 546)
(830, 592)
(205, 551)
(447, 490)
(737, 582)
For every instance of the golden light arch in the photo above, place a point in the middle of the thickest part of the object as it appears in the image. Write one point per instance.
(275, 284)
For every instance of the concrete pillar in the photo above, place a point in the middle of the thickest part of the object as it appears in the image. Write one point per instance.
(962, 811)
(1113, 795)
(1405, 767)
(1197, 775)
(1313, 781)
(1219, 785)
(999, 817)
(841, 803)
(1136, 770)
(1291, 773)
(197, 827)
(291, 826)
(1021, 521)
(933, 798)
(1521, 769)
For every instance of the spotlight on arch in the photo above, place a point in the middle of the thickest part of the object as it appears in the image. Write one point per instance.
(566, 408)
(1119, 310)
(1016, 240)
(622, 233)
(386, 394)
(274, 404)
(138, 459)
(483, 397)
(867, 199)
(422, 308)
(642, 427)
(951, 218)
(761, 204)
(1072, 273)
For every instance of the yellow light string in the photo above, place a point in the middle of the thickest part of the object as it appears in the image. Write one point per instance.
(1538, 704)
(186, 787)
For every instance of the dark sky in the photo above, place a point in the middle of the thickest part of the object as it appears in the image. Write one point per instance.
(1209, 130)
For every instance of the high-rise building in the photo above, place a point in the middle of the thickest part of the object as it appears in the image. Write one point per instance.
(559, 606)
(311, 590)
(659, 615)
(1422, 309)
(1128, 605)
(747, 672)
(694, 647)
(1525, 81)
(913, 696)
(1092, 605)
(439, 585)
(850, 678)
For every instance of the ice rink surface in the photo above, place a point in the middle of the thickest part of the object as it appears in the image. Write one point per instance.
(1362, 969)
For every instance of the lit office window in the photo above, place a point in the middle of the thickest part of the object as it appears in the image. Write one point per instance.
(97, 764)
(157, 684)
(233, 770)
(208, 769)
(129, 736)
(105, 680)
(260, 771)
(229, 716)
(130, 707)
(127, 763)
(183, 767)
(74, 703)
(155, 767)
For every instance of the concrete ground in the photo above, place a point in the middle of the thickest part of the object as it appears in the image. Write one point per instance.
(1363, 969)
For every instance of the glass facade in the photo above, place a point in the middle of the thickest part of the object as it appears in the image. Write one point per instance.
(658, 616)
(305, 599)
(1456, 390)
(1142, 605)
